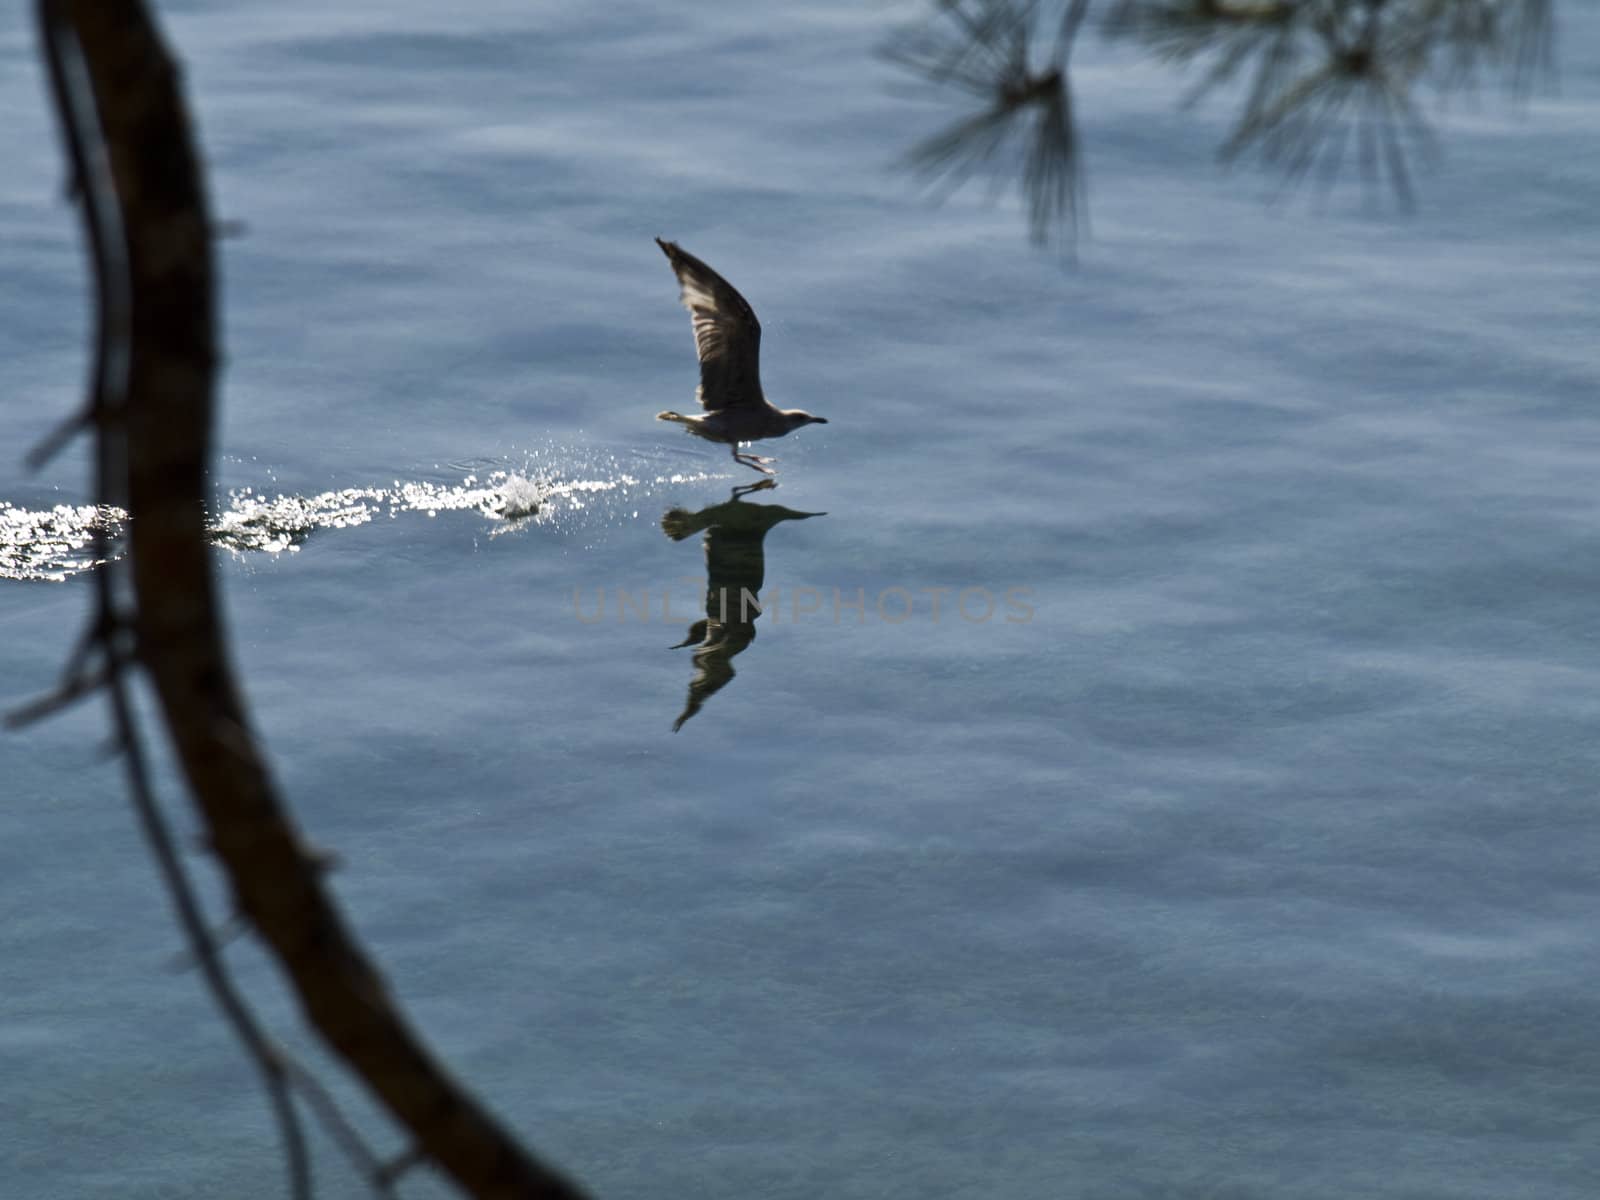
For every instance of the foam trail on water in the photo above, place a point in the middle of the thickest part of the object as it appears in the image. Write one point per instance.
(54, 544)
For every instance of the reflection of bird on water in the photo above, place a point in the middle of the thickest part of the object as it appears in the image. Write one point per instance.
(736, 566)
(727, 337)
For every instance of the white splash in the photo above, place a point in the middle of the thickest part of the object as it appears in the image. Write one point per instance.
(56, 543)
(51, 543)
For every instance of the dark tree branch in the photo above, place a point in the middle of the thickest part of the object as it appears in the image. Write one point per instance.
(94, 188)
(136, 172)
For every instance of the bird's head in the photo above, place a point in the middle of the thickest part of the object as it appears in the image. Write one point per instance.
(798, 417)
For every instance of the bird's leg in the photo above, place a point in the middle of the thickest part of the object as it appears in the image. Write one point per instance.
(747, 456)
(752, 461)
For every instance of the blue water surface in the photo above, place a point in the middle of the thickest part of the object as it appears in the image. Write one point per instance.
(1246, 848)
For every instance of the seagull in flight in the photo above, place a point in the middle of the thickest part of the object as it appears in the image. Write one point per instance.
(727, 337)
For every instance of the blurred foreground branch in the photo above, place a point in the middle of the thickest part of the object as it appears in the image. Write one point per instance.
(1324, 82)
(1024, 123)
(136, 175)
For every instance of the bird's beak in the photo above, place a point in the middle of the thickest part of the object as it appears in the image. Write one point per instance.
(819, 420)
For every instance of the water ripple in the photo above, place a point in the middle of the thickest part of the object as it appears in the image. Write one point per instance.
(54, 544)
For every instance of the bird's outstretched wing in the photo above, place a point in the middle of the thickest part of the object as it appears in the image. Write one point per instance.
(727, 335)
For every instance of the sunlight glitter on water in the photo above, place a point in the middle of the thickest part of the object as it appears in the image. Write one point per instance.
(50, 544)
(54, 544)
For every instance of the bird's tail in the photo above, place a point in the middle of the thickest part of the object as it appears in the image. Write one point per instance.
(672, 416)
